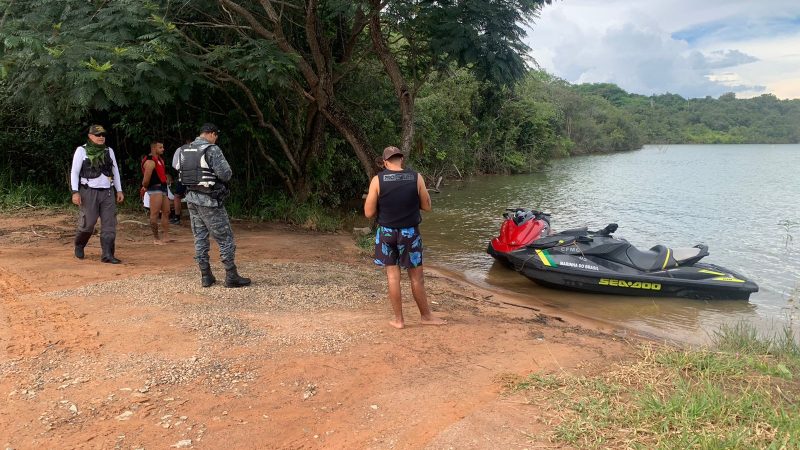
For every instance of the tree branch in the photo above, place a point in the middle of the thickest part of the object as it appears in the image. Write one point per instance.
(274, 164)
(257, 26)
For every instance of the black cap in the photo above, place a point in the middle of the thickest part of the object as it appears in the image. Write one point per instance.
(209, 127)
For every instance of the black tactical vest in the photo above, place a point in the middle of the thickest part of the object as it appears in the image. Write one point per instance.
(105, 168)
(398, 202)
(195, 173)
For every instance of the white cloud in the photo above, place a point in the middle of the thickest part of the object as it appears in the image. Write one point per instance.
(651, 49)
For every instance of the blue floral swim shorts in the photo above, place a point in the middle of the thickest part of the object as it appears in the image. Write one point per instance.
(398, 247)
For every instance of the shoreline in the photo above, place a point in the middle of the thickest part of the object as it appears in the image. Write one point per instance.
(140, 356)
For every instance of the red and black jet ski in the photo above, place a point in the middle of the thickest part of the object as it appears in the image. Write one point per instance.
(520, 228)
(596, 261)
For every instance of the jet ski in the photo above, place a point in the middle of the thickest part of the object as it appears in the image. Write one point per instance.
(520, 227)
(596, 261)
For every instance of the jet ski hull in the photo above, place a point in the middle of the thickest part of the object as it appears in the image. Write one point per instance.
(595, 261)
(586, 274)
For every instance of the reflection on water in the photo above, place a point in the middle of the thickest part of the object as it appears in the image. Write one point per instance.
(741, 200)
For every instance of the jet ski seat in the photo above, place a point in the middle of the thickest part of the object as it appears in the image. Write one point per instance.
(660, 257)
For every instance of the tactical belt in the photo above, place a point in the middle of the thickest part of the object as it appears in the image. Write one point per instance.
(86, 186)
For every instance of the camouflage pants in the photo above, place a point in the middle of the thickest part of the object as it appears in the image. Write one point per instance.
(212, 221)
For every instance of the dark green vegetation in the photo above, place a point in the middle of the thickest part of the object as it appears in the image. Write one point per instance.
(308, 93)
(672, 119)
(742, 392)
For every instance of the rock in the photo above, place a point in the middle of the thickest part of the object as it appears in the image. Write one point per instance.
(73, 409)
(374, 406)
(363, 231)
(125, 416)
(182, 444)
(139, 397)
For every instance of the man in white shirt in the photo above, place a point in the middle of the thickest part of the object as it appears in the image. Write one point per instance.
(180, 189)
(94, 170)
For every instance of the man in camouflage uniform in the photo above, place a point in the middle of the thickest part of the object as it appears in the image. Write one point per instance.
(204, 171)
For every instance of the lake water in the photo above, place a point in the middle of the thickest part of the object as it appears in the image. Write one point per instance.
(743, 201)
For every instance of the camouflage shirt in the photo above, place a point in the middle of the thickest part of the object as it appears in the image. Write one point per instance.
(216, 160)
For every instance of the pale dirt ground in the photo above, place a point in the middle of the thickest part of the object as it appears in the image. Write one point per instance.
(139, 356)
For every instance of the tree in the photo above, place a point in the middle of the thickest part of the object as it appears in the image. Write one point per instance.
(415, 38)
(62, 59)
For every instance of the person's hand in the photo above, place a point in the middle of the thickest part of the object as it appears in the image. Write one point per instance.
(120, 197)
(76, 199)
(142, 190)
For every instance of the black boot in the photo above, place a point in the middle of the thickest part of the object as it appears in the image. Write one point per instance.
(81, 239)
(107, 244)
(206, 277)
(232, 278)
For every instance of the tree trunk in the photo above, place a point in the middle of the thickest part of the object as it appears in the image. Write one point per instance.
(405, 98)
(310, 151)
(354, 136)
(316, 70)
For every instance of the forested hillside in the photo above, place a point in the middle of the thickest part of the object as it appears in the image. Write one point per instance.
(308, 93)
(672, 119)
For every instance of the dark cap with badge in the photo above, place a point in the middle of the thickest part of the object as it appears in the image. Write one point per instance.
(97, 130)
(388, 152)
(209, 128)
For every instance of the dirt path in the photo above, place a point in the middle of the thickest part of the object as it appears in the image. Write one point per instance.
(140, 356)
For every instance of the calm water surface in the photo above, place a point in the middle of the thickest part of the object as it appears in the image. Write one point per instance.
(743, 201)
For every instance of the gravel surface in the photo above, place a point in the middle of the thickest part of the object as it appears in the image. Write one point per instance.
(287, 286)
(223, 318)
(260, 320)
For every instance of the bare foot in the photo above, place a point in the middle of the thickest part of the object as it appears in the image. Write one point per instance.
(433, 320)
(158, 242)
(396, 324)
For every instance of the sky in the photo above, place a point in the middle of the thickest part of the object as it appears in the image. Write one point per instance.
(694, 48)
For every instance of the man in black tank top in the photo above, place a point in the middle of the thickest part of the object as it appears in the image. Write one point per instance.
(396, 196)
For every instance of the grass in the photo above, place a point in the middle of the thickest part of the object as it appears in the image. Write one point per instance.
(366, 242)
(15, 195)
(740, 392)
(309, 215)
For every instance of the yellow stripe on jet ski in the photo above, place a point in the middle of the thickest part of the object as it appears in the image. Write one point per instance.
(664, 266)
(544, 258)
(731, 279)
(711, 272)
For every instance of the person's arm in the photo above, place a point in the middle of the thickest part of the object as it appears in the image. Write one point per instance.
(117, 177)
(176, 159)
(74, 176)
(371, 203)
(219, 164)
(424, 196)
(149, 165)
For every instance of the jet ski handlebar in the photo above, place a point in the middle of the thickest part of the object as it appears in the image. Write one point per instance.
(522, 215)
(610, 228)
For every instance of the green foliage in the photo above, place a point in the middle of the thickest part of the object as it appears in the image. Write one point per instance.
(671, 119)
(366, 242)
(310, 215)
(743, 338)
(96, 57)
(15, 195)
(671, 398)
(445, 124)
(484, 35)
(158, 69)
